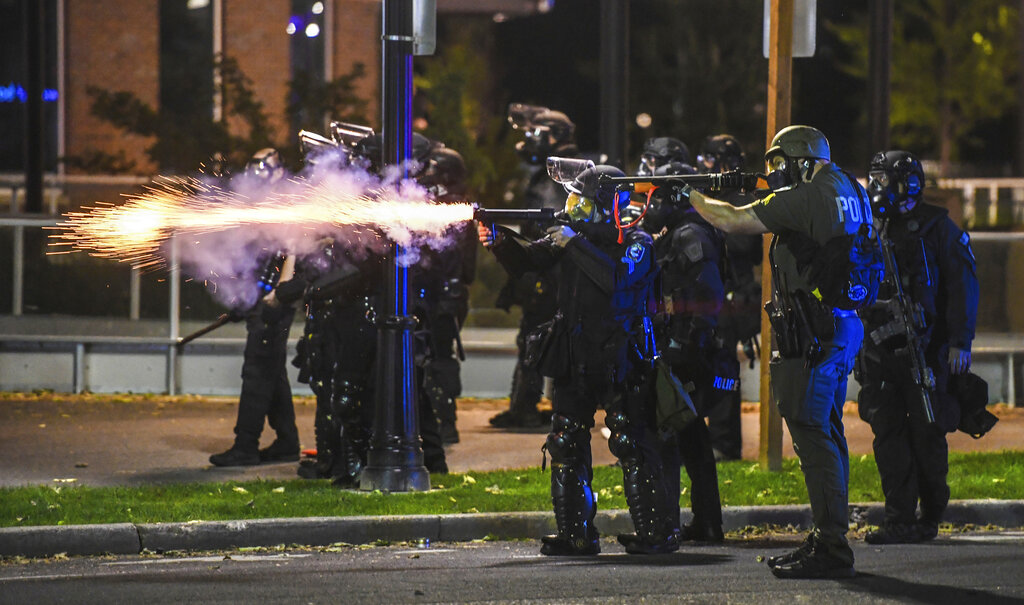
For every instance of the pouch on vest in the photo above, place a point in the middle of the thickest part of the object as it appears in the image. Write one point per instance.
(675, 409)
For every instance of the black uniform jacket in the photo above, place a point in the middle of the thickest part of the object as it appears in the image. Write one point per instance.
(605, 295)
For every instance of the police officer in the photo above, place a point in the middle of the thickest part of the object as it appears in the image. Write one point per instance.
(937, 270)
(813, 200)
(266, 393)
(441, 282)
(337, 353)
(740, 320)
(598, 351)
(690, 253)
(660, 151)
(546, 132)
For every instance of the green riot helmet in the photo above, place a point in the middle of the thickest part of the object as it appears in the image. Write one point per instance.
(792, 154)
(895, 183)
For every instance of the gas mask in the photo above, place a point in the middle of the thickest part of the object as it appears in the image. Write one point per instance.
(785, 172)
(889, 195)
(581, 209)
(536, 144)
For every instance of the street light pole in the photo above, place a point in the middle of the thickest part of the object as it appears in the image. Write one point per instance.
(395, 457)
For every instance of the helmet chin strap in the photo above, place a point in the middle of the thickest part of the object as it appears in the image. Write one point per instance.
(634, 222)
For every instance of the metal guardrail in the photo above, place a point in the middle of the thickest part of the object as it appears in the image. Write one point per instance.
(1009, 349)
(55, 184)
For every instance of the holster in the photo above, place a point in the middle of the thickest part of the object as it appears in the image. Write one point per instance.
(547, 348)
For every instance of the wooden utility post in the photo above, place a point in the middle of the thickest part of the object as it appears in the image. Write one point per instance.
(780, 78)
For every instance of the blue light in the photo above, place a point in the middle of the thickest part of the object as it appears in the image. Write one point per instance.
(15, 93)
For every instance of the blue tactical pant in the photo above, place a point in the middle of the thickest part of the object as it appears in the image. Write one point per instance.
(811, 402)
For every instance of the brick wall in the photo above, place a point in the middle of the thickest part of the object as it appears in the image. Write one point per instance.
(114, 45)
(254, 34)
(357, 30)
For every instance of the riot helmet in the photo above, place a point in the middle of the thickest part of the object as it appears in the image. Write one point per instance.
(895, 183)
(720, 153)
(265, 165)
(588, 200)
(544, 131)
(792, 155)
(659, 151)
(666, 203)
(443, 173)
(370, 149)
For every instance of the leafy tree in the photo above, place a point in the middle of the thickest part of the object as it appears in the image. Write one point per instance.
(181, 143)
(950, 64)
(454, 89)
(311, 100)
(697, 70)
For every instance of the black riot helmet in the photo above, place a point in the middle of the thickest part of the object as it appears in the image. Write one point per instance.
(792, 155)
(659, 151)
(265, 165)
(371, 150)
(720, 153)
(667, 204)
(545, 132)
(443, 173)
(895, 182)
(589, 200)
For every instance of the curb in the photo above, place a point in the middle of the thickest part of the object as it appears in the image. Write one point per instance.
(129, 538)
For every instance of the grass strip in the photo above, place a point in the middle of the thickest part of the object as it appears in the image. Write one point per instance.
(997, 475)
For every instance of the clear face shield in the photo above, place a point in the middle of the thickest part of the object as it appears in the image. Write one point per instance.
(565, 170)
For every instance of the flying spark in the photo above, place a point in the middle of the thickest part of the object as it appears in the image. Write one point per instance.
(133, 232)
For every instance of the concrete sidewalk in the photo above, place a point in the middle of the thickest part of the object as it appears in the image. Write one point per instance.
(144, 439)
(139, 440)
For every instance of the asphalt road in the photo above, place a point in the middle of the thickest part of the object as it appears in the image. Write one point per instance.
(962, 568)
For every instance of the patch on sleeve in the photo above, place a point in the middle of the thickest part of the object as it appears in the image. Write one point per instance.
(965, 241)
(695, 252)
(634, 254)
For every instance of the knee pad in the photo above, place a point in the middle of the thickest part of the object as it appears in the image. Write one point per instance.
(565, 439)
(346, 398)
(622, 445)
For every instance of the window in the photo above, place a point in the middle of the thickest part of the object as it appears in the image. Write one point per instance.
(13, 76)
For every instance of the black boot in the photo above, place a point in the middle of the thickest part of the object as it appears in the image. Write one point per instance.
(646, 494)
(895, 533)
(280, 451)
(236, 456)
(816, 563)
(701, 533)
(789, 557)
(571, 495)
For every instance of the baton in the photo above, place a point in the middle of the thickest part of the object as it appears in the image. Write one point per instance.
(220, 321)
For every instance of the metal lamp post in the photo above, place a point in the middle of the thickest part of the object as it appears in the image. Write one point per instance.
(395, 457)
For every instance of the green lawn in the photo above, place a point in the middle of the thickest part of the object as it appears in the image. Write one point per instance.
(998, 475)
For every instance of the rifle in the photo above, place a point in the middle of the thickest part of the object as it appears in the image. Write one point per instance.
(746, 181)
(908, 318)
